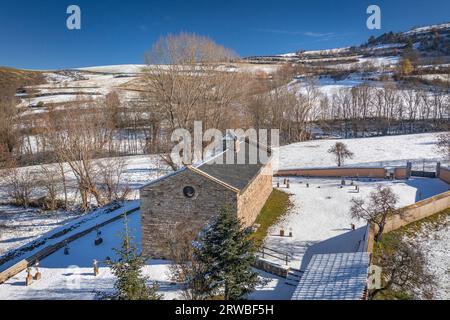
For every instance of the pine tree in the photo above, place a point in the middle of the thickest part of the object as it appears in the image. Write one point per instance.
(130, 284)
(227, 253)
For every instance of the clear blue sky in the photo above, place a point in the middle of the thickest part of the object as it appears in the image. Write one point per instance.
(33, 34)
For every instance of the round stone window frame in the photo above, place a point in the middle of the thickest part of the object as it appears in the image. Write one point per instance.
(189, 192)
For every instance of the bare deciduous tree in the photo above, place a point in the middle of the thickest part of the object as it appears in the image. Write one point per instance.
(20, 185)
(110, 172)
(50, 179)
(8, 116)
(341, 152)
(185, 269)
(187, 80)
(444, 145)
(403, 268)
(381, 206)
(77, 137)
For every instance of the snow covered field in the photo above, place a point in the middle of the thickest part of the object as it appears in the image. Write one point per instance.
(71, 277)
(434, 241)
(320, 221)
(377, 151)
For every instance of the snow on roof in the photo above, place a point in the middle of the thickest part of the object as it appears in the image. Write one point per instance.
(340, 276)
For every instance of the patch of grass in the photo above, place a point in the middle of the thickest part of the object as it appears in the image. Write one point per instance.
(275, 208)
(390, 240)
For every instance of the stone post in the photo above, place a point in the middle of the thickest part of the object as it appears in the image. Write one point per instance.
(96, 270)
(408, 169)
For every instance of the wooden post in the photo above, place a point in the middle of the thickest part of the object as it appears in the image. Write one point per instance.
(29, 279)
(38, 275)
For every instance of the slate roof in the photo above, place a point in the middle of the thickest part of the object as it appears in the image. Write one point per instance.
(236, 176)
(243, 168)
(341, 276)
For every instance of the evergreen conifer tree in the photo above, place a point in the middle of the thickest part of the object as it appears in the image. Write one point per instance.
(227, 253)
(130, 284)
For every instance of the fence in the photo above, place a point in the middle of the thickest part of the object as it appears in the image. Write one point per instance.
(283, 256)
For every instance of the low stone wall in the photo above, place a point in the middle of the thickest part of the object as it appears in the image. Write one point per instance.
(415, 212)
(401, 173)
(444, 174)
(419, 211)
(375, 172)
(272, 268)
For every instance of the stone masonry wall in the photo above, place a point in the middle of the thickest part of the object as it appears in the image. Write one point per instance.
(445, 175)
(166, 212)
(254, 197)
(335, 172)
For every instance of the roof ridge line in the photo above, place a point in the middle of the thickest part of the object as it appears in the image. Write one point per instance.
(208, 176)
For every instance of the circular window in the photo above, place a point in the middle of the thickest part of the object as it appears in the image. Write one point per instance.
(189, 192)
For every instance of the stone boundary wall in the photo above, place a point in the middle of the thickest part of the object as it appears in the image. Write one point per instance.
(415, 212)
(444, 174)
(344, 172)
(401, 173)
(272, 268)
(419, 211)
(45, 252)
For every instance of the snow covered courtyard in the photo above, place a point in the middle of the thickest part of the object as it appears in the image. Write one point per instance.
(320, 221)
